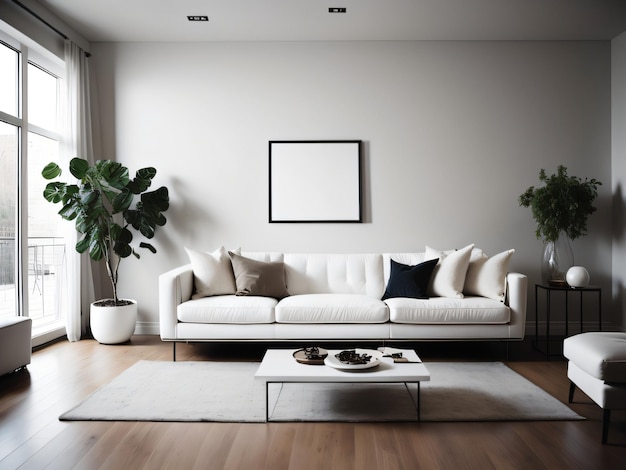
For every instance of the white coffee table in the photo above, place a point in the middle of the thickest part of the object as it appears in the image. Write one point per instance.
(279, 366)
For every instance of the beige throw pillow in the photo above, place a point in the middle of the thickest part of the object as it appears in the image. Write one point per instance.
(212, 273)
(258, 277)
(486, 277)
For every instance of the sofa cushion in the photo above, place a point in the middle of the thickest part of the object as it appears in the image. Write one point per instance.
(441, 310)
(448, 277)
(331, 308)
(212, 273)
(486, 276)
(600, 354)
(266, 256)
(259, 278)
(335, 274)
(409, 281)
(228, 309)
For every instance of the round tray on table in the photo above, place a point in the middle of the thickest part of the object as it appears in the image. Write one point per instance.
(303, 357)
(375, 360)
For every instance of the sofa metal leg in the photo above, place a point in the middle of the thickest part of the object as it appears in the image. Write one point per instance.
(572, 387)
(173, 351)
(606, 419)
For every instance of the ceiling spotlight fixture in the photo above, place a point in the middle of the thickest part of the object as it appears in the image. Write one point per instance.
(198, 18)
(336, 10)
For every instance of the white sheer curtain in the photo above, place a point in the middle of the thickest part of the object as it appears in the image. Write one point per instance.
(78, 142)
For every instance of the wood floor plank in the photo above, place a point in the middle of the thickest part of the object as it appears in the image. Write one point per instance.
(283, 439)
(63, 374)
(250, 447)
(216, 446)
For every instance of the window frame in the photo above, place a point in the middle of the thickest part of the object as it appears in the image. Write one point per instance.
(30, 53)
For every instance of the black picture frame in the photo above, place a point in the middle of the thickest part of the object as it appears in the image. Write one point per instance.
(315, 181)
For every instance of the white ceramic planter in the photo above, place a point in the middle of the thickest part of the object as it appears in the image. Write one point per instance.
(577, 276)
(113, 325)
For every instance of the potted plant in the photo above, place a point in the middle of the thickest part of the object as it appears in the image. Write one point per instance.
(105, 204)
(560, 208)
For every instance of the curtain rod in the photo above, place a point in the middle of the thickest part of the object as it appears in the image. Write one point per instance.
(29, 10)
(42, 20)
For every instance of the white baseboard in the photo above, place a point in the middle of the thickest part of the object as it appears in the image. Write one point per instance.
(147, 328)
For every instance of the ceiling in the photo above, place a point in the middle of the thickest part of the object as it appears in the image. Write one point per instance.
(310, 20)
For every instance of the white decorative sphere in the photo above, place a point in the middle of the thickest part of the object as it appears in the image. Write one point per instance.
(577, 276)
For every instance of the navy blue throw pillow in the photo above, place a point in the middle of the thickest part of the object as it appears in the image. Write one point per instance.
(409, 281)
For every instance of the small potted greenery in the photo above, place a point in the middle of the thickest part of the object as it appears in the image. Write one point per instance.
(560, 208)
(105, 204)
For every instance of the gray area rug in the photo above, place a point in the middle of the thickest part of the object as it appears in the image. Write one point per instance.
(228, 392)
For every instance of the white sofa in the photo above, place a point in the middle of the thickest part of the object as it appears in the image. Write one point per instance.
(335, 297)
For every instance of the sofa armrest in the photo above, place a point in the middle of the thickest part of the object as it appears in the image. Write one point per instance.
(516, 299)
(175, 287)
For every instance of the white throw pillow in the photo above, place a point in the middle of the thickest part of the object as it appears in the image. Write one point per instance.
(448, 277)
(212, 273)
(486, 276)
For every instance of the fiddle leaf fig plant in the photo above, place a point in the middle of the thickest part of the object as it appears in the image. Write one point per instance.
(562, 204)
(105, 204)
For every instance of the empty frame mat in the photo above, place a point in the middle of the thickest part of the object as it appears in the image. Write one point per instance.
(315, 181)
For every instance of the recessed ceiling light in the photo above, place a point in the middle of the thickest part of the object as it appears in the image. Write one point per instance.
(336, 10)
(198, 18)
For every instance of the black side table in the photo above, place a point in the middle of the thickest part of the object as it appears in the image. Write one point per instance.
(567, 291)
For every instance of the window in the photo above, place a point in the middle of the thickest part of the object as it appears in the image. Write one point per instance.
(32, 246)
(8, 215)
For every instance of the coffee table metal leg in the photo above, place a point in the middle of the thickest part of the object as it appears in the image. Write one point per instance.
(419, 416)
(267, 401)
(417, 398)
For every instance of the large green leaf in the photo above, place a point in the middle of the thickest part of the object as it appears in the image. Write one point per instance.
(51, 170)
(89, 219)
(122, 248)
(97, 248)
(112, 174)
(145, 225)
(142, 180)
(122, 201)
(125, 235)
(141, 220)
(82, 245)
(71, 210)
(160, 220)
(121, 238)
(91, 209)
(114, 231)
(79, 167)
(54, 192)
(71, 191)
(148, 246)
(157, 200)
(84, 224)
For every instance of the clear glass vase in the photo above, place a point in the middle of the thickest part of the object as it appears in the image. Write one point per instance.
(557, 258)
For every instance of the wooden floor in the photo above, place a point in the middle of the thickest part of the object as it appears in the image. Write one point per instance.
(63, 374)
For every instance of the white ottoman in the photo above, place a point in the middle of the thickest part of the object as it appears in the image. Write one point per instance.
(597, 366)
(15, 343)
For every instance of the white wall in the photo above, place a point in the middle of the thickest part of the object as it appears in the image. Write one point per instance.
(618, 48)
(453, 133)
